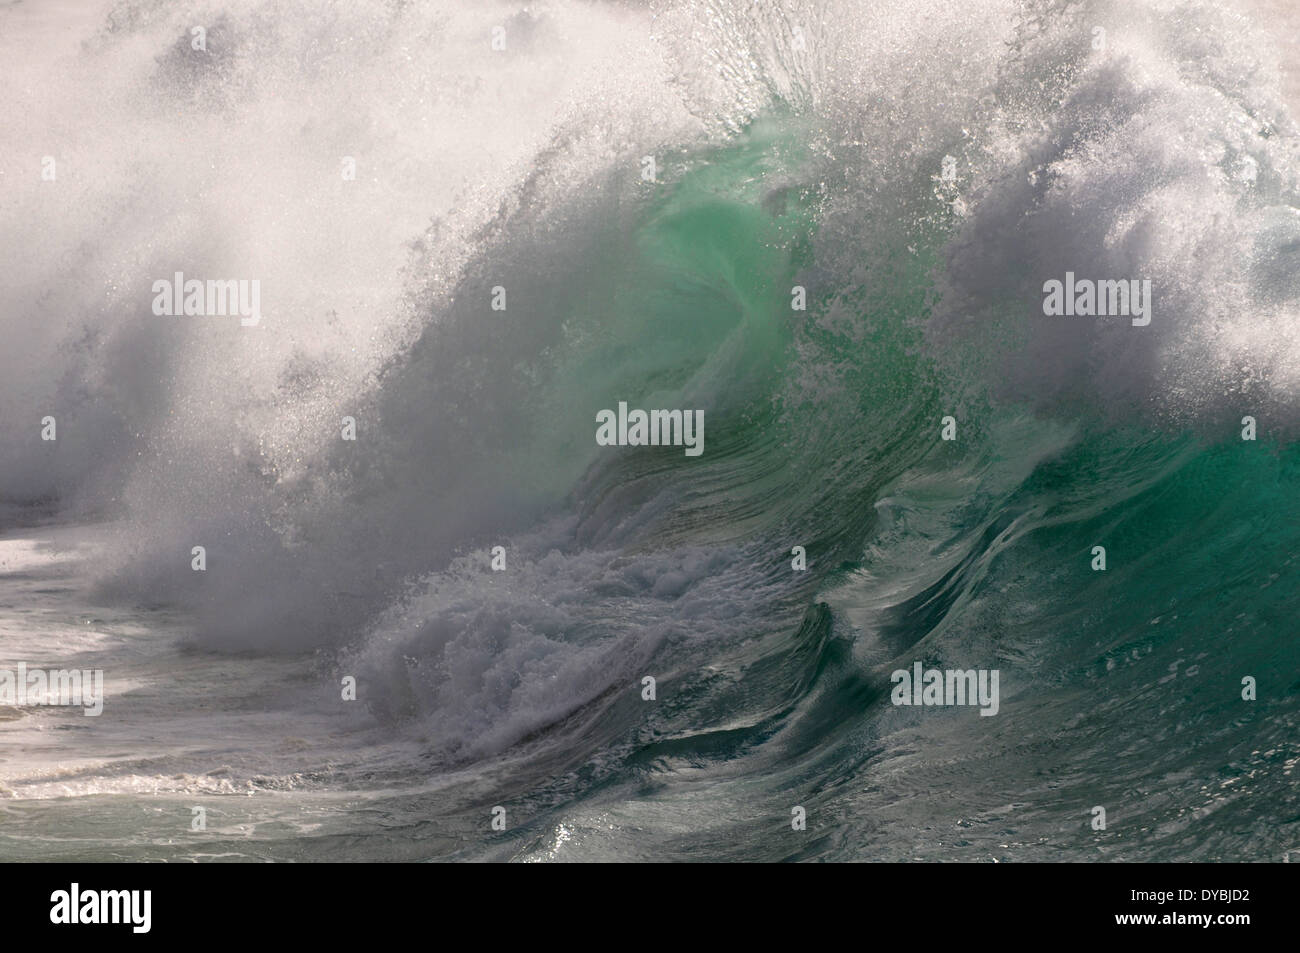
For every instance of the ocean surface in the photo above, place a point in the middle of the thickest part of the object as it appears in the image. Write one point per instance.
(642, 186)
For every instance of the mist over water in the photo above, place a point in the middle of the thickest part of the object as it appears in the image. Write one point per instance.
(795, 143)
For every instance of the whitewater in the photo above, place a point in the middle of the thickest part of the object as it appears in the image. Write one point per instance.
(363, 571)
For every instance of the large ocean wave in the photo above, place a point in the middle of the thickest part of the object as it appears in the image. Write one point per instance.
(920, 170)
